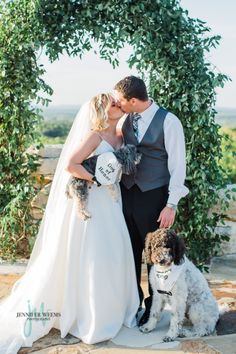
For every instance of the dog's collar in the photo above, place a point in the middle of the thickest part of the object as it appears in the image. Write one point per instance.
(166, 279)
(162, 273)
(164, 292)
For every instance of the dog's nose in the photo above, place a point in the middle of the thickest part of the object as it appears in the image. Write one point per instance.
(162, 261)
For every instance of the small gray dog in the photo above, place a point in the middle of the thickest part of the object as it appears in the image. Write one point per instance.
(127, 156)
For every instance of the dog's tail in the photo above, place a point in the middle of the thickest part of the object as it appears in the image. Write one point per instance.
(223, 308)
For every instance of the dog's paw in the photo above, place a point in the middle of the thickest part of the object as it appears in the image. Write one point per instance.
(168, 339)
(145, 328)
(149, 325)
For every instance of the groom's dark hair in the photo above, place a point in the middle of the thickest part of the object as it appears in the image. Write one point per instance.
(132, 87)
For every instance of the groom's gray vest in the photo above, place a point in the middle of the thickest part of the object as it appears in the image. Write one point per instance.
(152, 171)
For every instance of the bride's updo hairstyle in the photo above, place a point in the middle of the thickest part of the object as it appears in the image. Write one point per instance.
(100, 105)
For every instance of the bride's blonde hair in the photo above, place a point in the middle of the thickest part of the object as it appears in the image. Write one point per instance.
(100, 105)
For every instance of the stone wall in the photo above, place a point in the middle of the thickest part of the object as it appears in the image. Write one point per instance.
(49, 157)
(229, 227)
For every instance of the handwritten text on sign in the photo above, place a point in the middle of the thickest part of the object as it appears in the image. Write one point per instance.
(107, 168)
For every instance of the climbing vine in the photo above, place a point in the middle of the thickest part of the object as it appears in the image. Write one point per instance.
(169, 51)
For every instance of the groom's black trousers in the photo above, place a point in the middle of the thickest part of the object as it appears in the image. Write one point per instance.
(141, 211)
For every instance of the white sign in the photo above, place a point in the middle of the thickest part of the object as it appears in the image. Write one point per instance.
(108, 169)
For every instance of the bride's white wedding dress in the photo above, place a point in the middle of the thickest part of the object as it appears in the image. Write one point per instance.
(88, 288)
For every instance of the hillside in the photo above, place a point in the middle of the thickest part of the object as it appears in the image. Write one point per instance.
(226, 117)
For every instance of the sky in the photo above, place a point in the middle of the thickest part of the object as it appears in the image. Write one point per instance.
(75, 80)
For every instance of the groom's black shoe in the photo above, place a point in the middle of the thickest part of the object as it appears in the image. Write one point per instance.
(145, 316)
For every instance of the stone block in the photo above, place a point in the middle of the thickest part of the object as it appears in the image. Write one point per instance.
(40, 200)
(36, 213)
(48, 166)
(50, 151)
(231, 210)
(229, 229)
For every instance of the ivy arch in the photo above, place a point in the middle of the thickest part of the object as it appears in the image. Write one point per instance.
(169, 52)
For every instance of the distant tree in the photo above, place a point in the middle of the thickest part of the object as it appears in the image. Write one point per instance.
(229, 153)
(55, 129)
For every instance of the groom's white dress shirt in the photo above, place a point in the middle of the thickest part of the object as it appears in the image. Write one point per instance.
(175, 146)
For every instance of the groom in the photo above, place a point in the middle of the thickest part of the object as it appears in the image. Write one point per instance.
(150, 197)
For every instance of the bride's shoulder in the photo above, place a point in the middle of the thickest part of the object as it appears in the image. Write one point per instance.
(98, 134)
(93, 138)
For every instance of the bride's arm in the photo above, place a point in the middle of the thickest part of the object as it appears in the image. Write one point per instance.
(74, 166)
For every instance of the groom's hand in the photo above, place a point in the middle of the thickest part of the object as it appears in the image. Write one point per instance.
(166, 217)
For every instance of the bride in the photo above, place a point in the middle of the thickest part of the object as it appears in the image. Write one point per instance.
(80, 277)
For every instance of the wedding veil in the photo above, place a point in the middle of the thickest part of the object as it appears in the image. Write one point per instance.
(51, 227)
(45, 281)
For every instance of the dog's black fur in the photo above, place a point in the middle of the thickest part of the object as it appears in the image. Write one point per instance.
(127, 156)
(177, 246)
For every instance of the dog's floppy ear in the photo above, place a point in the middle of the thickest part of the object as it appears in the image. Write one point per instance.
(177, 246)
(148, 249)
